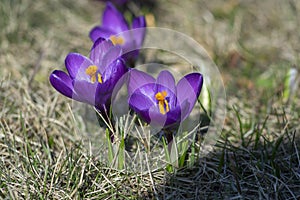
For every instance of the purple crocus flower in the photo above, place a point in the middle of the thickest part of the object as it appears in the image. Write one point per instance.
(91, 80)
(115, 27)
(160, 102)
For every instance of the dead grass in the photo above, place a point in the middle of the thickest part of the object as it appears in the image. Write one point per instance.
(42, 156)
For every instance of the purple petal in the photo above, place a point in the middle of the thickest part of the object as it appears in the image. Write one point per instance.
(174, 116)
(139, 24)
(112, 80)
(76, 65)
(166, 79)
(114, 72)
(113, 19)
(148, 91)
(189, 88)
(163, 120)
(98, 32)
(185, 109)
(131, 57)
(99, 50)
(62, 83)
(157, 119)
(137, 80)
(130, 47)
(141, 105)
(166, 82)
(103, 99)
(110, 57)
(86, 91)
(132, 40)
(111, 76)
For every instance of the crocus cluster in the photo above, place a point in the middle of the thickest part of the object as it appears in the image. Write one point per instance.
(92, 80)
(159, 102)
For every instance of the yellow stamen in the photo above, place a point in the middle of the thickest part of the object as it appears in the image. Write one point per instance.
(117, 40)
(92, 72)
(160, 96)
(167, 106)
(161, 107)
(163, 104)
(99, 78)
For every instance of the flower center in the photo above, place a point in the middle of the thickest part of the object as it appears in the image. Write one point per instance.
(117, 40)
(162, 102)
(93, 73)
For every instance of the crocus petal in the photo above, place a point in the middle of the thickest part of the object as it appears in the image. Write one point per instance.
(189, 88)
(110, 57)
(130, 47)
(62, 83)
(111, 76)
(134, 39)
(102, 100)
(98, 32)
(112, 80)
(156, 118)
(166, 79)
(104, 53)
(185, 110)
(99, 50)
(171, 118)
(139, 24)
(137, 80)
(113, 19)
(114, 72)
(141, 105)
(86, 91)
(174, 116)
(75, 63)
(166, 82)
